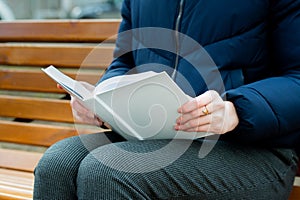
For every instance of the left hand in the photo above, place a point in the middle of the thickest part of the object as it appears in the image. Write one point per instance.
(207, 113)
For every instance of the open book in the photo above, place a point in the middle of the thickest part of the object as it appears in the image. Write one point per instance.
(139, 106)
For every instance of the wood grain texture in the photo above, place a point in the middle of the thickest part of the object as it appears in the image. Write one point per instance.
(19, 160)
(38, 81)
(15, 184)
(25, 47)
(59, 30)
(43, 55)
(295, 195)
(34, 134)
(35, 108)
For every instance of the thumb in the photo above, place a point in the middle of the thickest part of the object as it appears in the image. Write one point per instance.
(58, 86)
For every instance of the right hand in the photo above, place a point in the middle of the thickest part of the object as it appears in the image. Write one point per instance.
(81, 113)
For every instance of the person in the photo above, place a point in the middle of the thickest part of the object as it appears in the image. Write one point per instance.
(255, 46)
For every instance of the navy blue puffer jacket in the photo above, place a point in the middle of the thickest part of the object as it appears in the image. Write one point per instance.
(254, 45)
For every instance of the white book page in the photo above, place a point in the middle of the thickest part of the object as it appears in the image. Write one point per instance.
(121, 81)
(70, 85)
(146, 109)
(150, 109)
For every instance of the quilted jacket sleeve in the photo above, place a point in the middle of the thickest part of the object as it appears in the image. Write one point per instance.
(123, 60)
(269, 109)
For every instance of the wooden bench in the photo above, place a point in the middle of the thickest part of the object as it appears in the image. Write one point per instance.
(33, 112)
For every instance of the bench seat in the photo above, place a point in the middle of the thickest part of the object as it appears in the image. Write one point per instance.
(34, 112)
(15, 184)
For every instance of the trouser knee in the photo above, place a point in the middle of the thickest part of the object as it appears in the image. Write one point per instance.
(96, 180)
(61, 159)
(65, 156)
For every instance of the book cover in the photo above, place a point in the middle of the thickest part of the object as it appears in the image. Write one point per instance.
(139, 107)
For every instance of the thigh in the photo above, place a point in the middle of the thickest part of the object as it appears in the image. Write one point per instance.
(56, 172)
(157, 170)
(74, 149)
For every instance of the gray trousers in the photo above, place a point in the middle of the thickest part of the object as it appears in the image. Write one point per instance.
(104, 166)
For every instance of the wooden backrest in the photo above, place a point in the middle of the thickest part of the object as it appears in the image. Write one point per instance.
(27, 94)
(33, 110)
(58, 30)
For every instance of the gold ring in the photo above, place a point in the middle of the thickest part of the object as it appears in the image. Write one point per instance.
(205, 111)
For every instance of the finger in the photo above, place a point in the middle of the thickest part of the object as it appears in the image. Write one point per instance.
(216, 124)
(189, 106)
(191, 124)
(85, 120)
(100, 122)
(76, 104)
(59, 86)
(208, 128)
(83, 115)
(204, 128)
(199, 112)
(189, 116)
(199, 101)
(80, 109)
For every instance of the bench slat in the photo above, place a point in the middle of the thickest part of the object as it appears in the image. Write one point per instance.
(38, 81)
(25, 47)
(36, 108)
(11, 181)
(20, 160)
(295, 193)
(6, 194)
(62, 56)
(33, 134)
(16, 190)
(59, 30)
(17, 182)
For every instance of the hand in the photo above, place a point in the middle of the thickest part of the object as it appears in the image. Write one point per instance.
(82, 114)
(207, 113)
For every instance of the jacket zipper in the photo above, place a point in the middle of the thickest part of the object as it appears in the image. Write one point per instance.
(178, 20)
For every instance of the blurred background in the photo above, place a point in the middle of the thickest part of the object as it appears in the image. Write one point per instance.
(59, 9)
